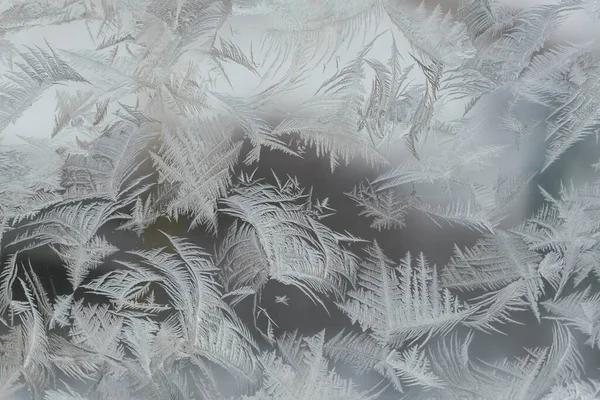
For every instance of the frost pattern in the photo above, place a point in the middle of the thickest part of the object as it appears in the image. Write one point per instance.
(162, 235)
